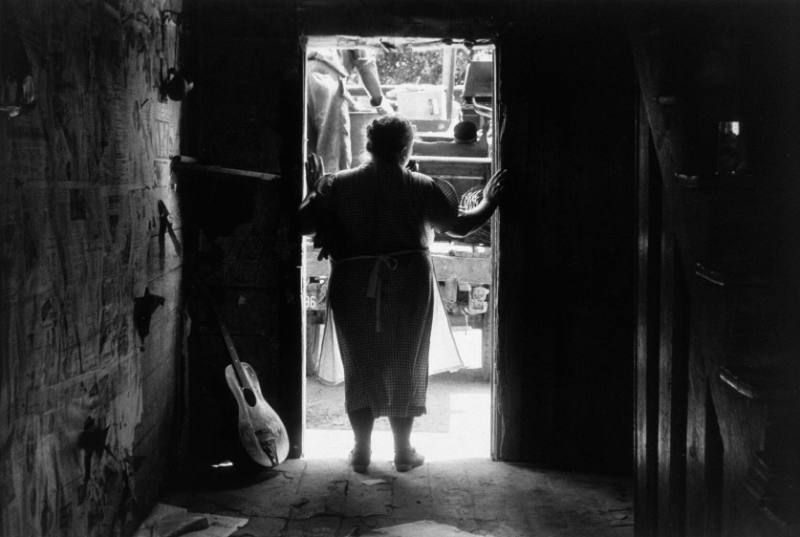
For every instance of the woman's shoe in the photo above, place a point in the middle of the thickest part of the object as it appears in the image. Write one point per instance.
(359, 459)
(407, 459)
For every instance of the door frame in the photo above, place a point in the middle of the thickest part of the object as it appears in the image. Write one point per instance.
(495, 258)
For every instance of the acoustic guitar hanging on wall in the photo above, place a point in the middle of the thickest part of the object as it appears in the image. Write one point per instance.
(261, 430)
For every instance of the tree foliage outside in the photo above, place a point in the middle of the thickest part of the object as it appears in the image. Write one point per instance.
(405, 65)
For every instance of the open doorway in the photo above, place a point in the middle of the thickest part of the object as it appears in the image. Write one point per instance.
(446, 89)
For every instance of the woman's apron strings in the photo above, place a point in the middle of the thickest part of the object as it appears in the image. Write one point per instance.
(387, 260)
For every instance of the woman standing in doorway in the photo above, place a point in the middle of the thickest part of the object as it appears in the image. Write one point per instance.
(376, 222)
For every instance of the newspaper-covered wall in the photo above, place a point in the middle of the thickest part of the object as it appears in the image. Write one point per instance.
(88, 289)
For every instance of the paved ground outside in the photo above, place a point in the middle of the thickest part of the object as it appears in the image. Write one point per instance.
(453, 398)
(456, 425)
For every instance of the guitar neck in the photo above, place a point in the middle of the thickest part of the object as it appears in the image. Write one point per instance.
(244, 381)
(237, 364)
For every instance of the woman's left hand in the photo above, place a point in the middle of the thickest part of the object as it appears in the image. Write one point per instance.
(315, 169)
(493, 190)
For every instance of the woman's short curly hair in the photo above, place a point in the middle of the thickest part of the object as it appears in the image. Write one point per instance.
(389, 138)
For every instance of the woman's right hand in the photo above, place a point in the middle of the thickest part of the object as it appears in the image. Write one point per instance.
(493, 190)
(315, 169)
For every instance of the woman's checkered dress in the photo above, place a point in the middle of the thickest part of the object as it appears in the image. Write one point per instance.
(377, 227)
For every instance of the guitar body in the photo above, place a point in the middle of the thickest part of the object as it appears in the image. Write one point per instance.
(261, 430)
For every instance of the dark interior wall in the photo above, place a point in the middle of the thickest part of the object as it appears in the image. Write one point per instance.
(727, 439)
(565, 312)
(245, 113)
(88, 357)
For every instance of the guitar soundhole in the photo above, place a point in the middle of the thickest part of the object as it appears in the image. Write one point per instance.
(249, 397)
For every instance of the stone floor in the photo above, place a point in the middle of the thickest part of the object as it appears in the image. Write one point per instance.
(459, 487)
(324, 497)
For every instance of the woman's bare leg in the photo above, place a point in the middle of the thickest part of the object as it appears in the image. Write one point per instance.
(361, 421)
(405, 456)
(401, 430)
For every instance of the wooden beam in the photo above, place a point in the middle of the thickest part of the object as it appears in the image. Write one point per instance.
(452, 160)
(183, 163)
(647, 334)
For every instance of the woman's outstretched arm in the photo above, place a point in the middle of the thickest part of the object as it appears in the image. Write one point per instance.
(468, 221)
